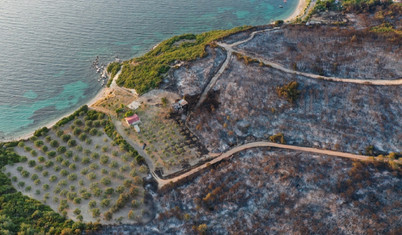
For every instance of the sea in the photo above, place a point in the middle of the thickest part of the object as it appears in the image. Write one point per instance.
(47, 47)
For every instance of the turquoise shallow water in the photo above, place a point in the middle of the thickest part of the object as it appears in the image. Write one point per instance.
(47, 47)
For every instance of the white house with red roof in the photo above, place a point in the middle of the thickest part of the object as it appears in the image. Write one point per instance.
(133, 120)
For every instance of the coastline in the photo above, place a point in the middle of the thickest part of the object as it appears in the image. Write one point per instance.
(302, 4)
(50, 124)
(298, 11)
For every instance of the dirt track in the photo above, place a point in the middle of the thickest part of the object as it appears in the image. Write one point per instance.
(163, 182)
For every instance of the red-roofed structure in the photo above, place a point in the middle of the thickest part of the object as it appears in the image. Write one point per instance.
(133, 120)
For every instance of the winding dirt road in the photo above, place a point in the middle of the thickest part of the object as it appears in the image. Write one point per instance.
(163, 182)
(230, 49)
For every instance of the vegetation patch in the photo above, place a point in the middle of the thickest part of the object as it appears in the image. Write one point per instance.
(96, 179)
(168, 142)
(145, 72)
(289, 91)
(113, 69)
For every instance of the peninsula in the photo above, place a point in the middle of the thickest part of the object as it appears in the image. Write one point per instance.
(290, 127)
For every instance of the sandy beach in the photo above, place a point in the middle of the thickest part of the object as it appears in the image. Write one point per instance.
(298, 11)
(98, 96)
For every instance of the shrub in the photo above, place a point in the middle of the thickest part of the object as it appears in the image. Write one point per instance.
(59, 158)
(114, 164)
(95, 155)
(14, 179)
(94, 166)
(109, 191)
(57, 190)
(289, 91)
(20, 168)
(88, 141)
(105, 203)
(129, 113)
(278, 138)
(21, 184)
(113, 174)
(53, 178)
(72, 177)
(77, 211)
(95, 212)
(65, 163)
(38, 143)
(45, 148)
(34, 153)
(91, 176)
(64, 172)
(104, 149)
(45, 173)
(72, 167)
(31, 163)
(138, 180)
(106, 181)
(59, 133)
(108, 215)
(66, 138)
(104, 171)
(88, 123)
(143, 169)
(78, 122)
(69, 153)
(84, 171)
(92, 204)
(93, 131)
(124, 168)
(39, 168)
(51, 154)
(85, 160)
(71, 143)
(120, 189)
(61, 149)
(76, 158)
(49, 164)
(41, 159)
(77, 200)
(82, 136)
(131, 214)
(34, 177)
(62, 183)
(48, 139)
(54, 143)
(45, 187)
(127, 183)
(37, 182)
(28, 188)
(71, 195)
(104, 159)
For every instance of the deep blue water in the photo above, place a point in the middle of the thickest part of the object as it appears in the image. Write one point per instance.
(47, 47)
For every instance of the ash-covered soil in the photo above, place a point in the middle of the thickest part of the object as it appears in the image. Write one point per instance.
(244, 105)
(330, 51)
(265, 191)
(191, 79)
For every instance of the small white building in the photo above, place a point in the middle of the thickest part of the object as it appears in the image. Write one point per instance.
(137, 128)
